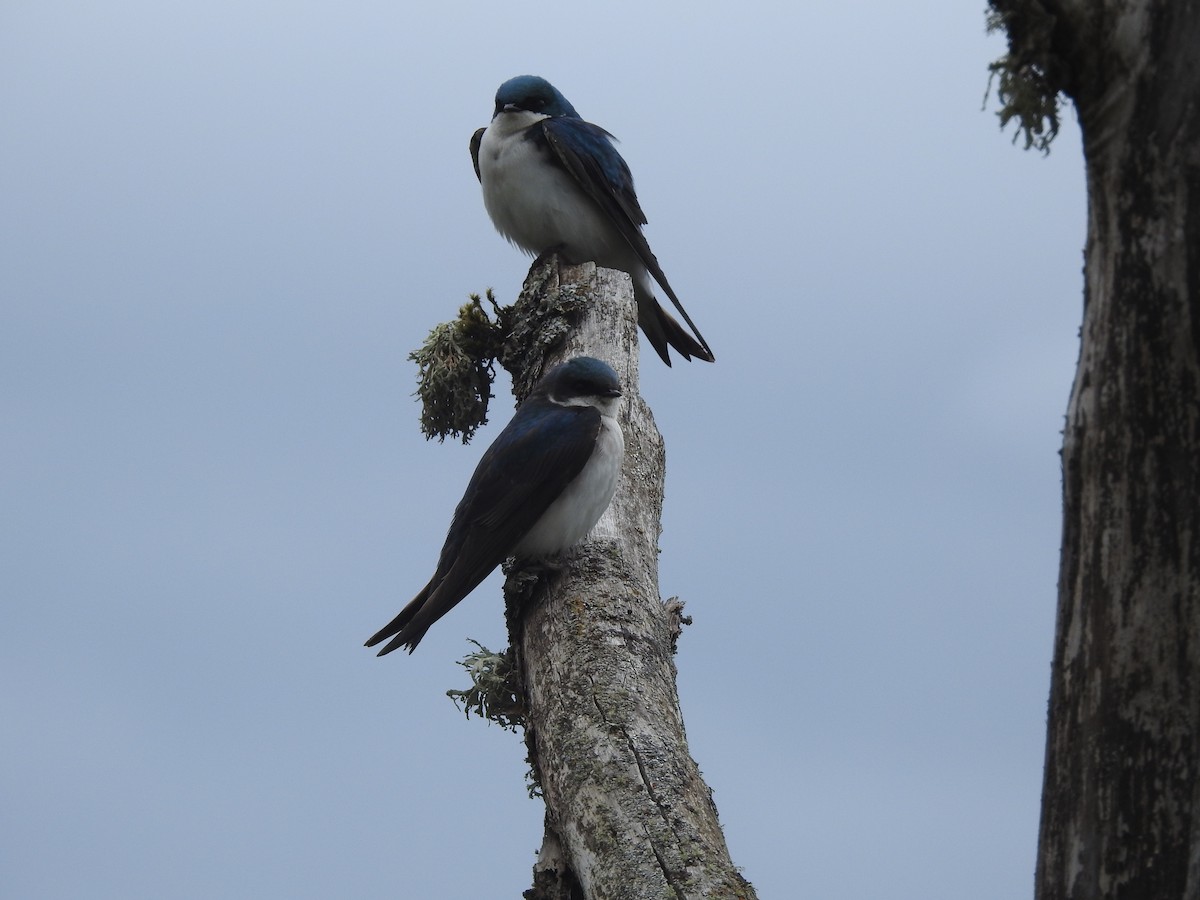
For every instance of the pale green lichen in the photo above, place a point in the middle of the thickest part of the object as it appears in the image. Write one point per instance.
(455, 370)
(495, 693)
(1025, 88)
(456, 364)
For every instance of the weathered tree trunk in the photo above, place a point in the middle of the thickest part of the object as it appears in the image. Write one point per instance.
(627, 813)
(1121, 799)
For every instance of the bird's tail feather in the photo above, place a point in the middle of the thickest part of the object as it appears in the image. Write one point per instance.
(662, 330)
(403, 628)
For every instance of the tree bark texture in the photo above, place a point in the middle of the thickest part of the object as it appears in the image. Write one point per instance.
(1121, 797)
(627, 812)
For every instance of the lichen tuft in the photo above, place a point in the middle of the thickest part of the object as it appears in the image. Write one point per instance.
(455, 370)
(1025, 87)
(495, 693)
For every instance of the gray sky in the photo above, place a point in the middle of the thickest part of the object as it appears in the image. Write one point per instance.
(224, 225)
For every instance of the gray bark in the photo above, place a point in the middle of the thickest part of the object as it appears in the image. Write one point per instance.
(1121, 797)
(627, 813)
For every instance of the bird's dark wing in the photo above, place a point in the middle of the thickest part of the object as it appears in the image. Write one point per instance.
(524, 470)
(587, 153)
(537, 455)
(476, 140)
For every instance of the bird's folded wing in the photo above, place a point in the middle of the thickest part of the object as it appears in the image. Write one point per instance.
(585, 151)
(476, 140)
(526, 469)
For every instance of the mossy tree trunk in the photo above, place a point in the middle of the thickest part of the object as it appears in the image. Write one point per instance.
(627, 813)
(1121, 797)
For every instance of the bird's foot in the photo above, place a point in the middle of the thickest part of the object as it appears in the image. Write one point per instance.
(548, 565)
(545, 255)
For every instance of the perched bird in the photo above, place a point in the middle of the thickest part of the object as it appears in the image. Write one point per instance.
(538, 490)
(553, 182)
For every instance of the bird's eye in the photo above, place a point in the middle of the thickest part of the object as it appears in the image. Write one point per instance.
(535, 104)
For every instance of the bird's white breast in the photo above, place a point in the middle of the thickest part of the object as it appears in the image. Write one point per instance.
(583, 501)
(536, 204)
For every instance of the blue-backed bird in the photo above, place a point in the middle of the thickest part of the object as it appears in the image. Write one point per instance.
(538, 490)
(555, 183)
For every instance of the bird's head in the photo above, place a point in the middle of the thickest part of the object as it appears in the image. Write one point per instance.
(532, 94)
(582, 381)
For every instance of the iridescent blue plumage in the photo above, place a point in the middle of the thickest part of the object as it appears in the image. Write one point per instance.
(538, 490)
(553, 182)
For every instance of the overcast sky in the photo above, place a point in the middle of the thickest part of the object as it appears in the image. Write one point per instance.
(223, 226)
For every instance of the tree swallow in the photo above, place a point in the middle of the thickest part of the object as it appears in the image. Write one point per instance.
(538, 490)
(553, 182)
